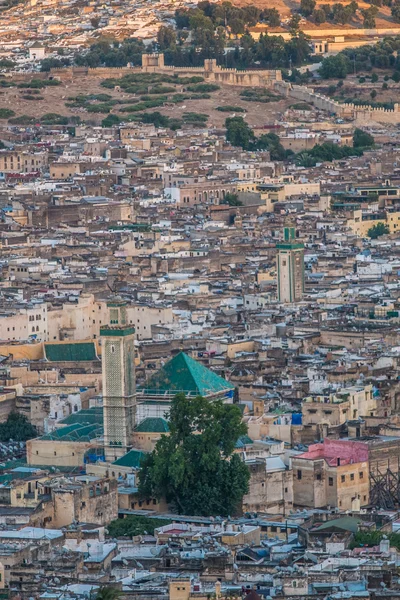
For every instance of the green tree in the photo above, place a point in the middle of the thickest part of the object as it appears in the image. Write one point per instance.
(373, 94)
(110, 120)
(369, 15)
(294, 24)
(319, 16)
(232, 200)
(134, 525)
(377, 230)
(198, 20)
(362, 139)
(17, 428)
(307, 7)
(336, 67)
(195, 467)
(271, 16)
(108, 593)
(166, 38)
(238, 133)
(395, 10)
(374, 78)
(237, 26)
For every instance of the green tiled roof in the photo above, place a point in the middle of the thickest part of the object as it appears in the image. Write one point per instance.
(133, 458)
(184, 374)
(153, 425)
(70, 352)
(86, 416)
(343, 523)
(75, 432)
(243, 441)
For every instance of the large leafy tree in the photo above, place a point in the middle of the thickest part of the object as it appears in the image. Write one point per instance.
(195, 467)
(362, 139)
(377, 230)
(335, 67)
(17, 428)
(238, 132)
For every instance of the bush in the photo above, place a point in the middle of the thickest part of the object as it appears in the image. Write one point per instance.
(53, 119)
(259, 95)
(31, 97)
(99, 108)
(300, 106)
(6, 113)
(22, 120)
(190, 117)
(203, 87)
(110, 120)
(134, 525)
(230, 108)
(40, 83)
(162, 89)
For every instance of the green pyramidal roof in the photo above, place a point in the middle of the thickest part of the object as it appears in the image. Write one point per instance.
(184, 374)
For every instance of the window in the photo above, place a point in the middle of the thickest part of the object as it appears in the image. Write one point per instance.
(343, 478)
(319, 476)
(299, 474)
(330, 481)
(361, 475)
(352, 477)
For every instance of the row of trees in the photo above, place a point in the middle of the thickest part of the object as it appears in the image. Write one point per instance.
(335, 13)
(384, 54)
(208, 15)
(267, 51)
(111, 54)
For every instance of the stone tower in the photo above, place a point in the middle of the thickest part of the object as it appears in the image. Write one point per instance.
(119, 389)
(290, 262)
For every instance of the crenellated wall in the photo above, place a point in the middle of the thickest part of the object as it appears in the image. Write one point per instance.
(359, 113)
(154, 63)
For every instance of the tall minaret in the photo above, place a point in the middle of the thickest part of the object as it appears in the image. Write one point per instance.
(290, 263)
(119, 389)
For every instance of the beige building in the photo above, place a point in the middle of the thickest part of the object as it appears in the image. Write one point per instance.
(360, 223)
(83, 499)
(335, 409)
(29, 321)
(270, 486)
(14, 161)
(333, 473)
(64, 170)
